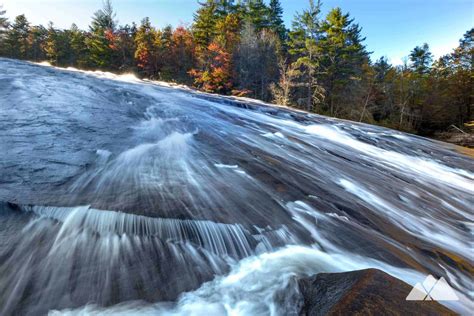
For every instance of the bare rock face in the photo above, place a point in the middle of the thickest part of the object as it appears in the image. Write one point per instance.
(115, 190)
(363, 292)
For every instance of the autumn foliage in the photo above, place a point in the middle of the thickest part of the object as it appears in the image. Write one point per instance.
(217, 75)
(244, 48)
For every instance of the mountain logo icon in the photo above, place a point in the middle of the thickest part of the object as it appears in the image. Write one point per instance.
(432, 290)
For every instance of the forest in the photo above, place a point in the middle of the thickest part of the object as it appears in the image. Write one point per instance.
(243, 48)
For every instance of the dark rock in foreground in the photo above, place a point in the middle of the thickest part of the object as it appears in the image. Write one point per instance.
(363, 292)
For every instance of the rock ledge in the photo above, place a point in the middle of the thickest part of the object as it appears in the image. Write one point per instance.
(363, 292)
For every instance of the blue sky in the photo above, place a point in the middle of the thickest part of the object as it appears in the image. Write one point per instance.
(392, 27)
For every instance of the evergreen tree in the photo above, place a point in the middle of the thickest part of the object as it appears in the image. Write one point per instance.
(205, 20)
(57, 48)
(383, 90)
(166, 43)
(275, 17)
(79, 51)
(17, 38)
(463, 62)
(421, 59)
(463, 56)
(225, 7)
(306, 31)
(418, 85)
(228, 30)
(50, 46)
(104, 19)
(343, 60)
(125, 46)
(382, 68)
(101, 43)
(451, 83)
(304, 49)
(257, 13)
(215, 31)
(37, 39)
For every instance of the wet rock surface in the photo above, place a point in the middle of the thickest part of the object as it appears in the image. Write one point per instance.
(363, 292)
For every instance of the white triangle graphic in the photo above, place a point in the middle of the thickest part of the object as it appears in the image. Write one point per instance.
(418, 293)
(443, 292)
(432, 289)
(429, 283)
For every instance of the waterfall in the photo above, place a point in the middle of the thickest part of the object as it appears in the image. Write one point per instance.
(123, 196)
(112, 256)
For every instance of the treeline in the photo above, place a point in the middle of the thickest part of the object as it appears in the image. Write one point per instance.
(243, 48)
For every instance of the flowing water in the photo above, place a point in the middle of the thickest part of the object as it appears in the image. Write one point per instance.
(122, 196)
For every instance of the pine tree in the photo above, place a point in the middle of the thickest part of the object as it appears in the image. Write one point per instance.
(421, 59)
(304, 49)
(166, 43)
(58, 47)
(166, 37)
(125, 46)
(275, 17)
(50, 46)
(78, 47)
(103, 51)
(37, 39)
(382, 68)
(343, 60)
(454, 81)
(257, 13)
(17, 38)
(215, 30)
(225, 7)
(463, 62)
(383, 89)
(205, 20)
(418, 85)
(463, 56)
(228, 30)
(306, 30)
(104, 19)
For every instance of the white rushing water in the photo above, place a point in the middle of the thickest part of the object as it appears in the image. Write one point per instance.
(261, 284)
(252, 286)
(419, 167)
